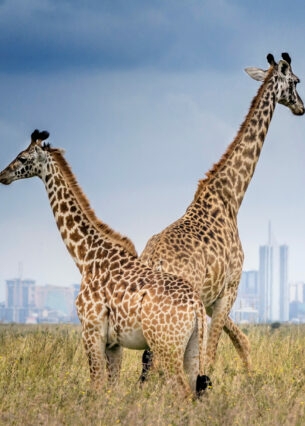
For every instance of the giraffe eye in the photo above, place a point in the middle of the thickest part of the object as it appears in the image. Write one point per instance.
(22, 159)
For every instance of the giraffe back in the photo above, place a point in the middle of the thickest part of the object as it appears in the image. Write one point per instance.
(202, 246)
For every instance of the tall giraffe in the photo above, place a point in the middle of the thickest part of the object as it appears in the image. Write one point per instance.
(203, 246)
(122, 302)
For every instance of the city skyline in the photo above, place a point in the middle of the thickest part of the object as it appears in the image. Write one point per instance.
(264, 296)
(26, 302)
(271, 239)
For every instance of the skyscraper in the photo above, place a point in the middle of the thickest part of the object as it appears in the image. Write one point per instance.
(273, 281)
(284, 287)
(19, 299)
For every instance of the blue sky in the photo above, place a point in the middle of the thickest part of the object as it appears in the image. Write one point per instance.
(144, 97)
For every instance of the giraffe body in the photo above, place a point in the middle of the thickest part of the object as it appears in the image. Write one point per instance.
(203, 246)
(122, 302)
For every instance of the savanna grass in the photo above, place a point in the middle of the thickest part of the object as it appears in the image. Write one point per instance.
(44, 380)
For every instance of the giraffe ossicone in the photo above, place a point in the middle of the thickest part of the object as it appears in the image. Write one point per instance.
(203, 246)
(122, 302)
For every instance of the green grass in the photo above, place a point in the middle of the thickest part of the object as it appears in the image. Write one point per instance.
(44, 380)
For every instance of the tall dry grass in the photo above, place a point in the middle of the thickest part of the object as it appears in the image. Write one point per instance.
(44, 380)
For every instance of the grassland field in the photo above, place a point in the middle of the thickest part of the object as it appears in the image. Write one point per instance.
(44, 380)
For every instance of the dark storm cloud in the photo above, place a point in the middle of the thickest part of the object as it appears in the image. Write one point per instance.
(56, 35)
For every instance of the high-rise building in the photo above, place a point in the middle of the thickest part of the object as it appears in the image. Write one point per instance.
(284, 286)
(56, 303)
(297, 302)
(273, 281)
(27, 303)
(297, 291)
(53, 297)
(20, 299)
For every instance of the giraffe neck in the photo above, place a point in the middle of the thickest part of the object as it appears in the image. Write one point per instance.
(231, 176)
(77, 223)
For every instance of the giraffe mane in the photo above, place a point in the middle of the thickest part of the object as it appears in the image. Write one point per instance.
(112, 235)
(218, 166)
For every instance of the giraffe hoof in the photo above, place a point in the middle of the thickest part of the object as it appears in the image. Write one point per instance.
(202, 383)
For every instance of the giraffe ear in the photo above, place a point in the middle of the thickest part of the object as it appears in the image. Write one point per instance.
(37, 135)
(256, 73)
(44, 135)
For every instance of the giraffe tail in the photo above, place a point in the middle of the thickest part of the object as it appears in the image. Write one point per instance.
(203, 382)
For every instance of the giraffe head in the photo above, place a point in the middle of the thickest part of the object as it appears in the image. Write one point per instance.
(286, 82)
(28, 163)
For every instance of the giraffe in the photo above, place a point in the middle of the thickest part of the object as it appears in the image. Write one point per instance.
(122, 302)
(203, 246)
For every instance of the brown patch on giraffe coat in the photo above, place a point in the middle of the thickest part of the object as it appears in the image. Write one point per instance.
(69, 222)
(91, 254)
(81, 250)
(59, 194)
(60, 221)
(89, 306)
(64, 207)
(250, 136)
(98, 307)
(75, 236)
(114, 266)
(57, 181)
(261, 135)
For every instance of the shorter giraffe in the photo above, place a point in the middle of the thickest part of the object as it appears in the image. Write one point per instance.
(122, 302)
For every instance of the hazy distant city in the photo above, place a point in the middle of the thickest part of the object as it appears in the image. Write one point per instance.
(31, 304)
(265, 295)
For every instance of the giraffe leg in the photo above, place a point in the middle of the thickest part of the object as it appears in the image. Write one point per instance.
(220, 312)
(238, 338)
(169, 358)
(95, 351)
(240, 342)
(191, 359)
(171, 362)
(168, 345)
(147, 359)
(113, 364)
(193, 367)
